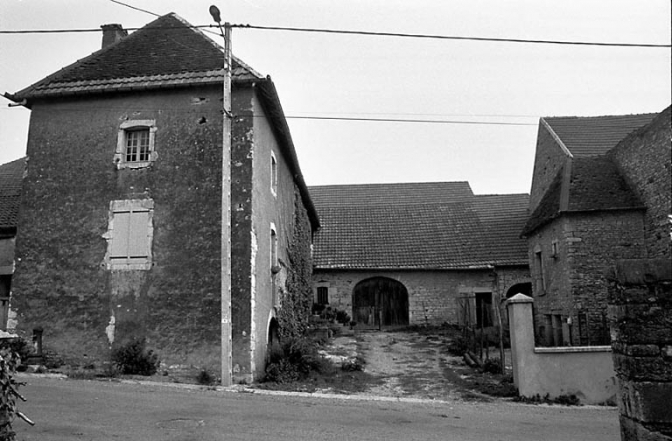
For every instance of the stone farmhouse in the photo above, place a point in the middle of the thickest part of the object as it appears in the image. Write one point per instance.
(120, 221)
(600, 193)
(418, 254)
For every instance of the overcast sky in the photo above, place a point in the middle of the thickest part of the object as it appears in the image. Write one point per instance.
(387, 77)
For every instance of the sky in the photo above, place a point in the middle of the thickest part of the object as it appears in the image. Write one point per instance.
(331, 75)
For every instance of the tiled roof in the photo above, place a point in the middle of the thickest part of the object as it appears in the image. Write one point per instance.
(502, 217)
(416, 226)
(595, 184)
(388, 194)
(167, 52)
(11, 176)
(549, 206)
(595, 135)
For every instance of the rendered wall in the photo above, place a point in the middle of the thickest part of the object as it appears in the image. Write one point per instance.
(61, 283)
(586, 372)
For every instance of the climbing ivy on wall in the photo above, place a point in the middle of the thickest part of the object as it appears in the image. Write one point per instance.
(296, 297)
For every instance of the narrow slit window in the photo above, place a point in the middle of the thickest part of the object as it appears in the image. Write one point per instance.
(274, 174)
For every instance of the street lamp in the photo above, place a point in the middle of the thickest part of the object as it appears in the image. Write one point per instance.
(226, 343)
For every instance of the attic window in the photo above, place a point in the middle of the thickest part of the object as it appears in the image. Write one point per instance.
(135, 144)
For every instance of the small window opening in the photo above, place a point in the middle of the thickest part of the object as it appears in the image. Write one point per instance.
(274, 174)
(322, 295)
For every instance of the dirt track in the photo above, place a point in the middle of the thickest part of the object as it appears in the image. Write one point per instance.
(410, 364)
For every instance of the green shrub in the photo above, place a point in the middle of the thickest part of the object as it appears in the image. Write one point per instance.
(294, 361)
(318, 308)
(205, 378)
(9, 392)
(20, 347)
(134, 359)
(342, 317)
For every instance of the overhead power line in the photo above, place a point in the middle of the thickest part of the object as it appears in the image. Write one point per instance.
(364, 33)
(136, 8)
(404, 120)
(445, 37)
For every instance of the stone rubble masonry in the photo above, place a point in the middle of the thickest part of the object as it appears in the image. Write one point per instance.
(644, 159)
(432, 295)
(640, 312)
(574, 277)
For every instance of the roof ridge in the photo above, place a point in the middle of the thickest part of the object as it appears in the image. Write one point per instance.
(601, 116)
(83, 70)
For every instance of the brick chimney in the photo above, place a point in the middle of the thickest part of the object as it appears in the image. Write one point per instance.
(112, 33)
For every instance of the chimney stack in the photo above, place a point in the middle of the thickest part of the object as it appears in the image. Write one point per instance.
(112, 33)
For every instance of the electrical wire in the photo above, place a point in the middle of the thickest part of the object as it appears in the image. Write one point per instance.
(136, 8)
(365, 33)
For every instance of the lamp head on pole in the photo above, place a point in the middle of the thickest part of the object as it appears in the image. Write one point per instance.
(214, 11)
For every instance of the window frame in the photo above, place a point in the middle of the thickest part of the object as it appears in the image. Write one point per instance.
(319, 291)
(129, 206)
(130, 126)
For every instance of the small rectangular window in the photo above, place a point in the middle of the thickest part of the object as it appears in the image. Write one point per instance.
(135, 144)
(322, 295)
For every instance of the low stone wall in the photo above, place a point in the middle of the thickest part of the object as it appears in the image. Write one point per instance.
(640, 312)
(584, 371)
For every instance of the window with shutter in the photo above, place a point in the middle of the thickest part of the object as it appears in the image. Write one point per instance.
(130, 234)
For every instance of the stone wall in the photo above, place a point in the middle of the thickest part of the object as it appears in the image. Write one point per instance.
(548, 161)
(640, 310)
(433, 295)
(644, 158)
(586, 245)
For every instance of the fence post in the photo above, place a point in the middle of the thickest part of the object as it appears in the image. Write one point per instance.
(521, 328)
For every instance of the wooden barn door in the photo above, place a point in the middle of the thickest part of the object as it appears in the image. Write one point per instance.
(380, 302)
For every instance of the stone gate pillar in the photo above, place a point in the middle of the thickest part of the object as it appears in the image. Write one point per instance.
(640, 313)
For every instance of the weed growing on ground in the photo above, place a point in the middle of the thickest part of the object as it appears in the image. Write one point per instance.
(565, 400)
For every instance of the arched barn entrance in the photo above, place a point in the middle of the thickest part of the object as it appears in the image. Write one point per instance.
(380, 302)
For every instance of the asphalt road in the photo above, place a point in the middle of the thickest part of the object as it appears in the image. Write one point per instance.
(94, 411)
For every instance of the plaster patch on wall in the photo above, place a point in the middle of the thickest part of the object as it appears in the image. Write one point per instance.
(109, 330)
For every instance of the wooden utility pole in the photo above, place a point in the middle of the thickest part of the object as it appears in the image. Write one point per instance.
(226, 343)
